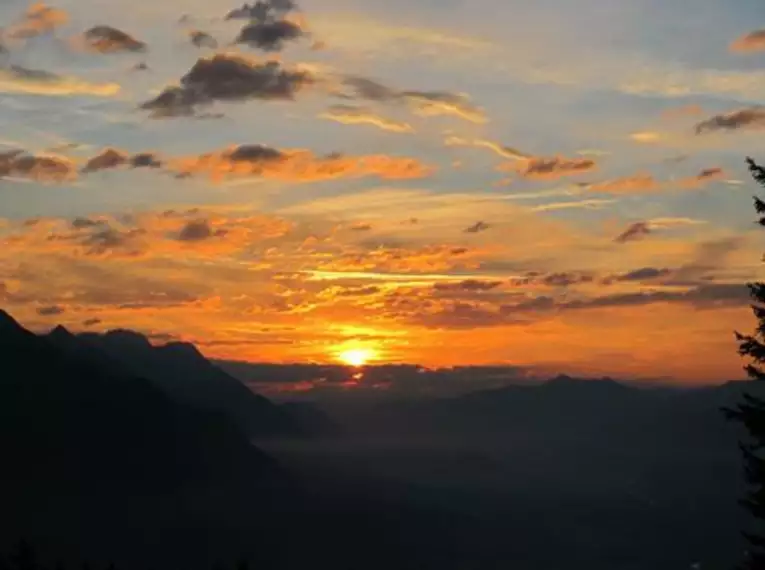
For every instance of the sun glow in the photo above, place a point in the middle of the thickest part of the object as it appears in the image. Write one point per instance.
(356, 357)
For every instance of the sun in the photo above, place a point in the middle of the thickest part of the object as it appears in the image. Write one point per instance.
(356, 357)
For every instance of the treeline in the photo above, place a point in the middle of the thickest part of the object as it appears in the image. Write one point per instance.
(25, 557)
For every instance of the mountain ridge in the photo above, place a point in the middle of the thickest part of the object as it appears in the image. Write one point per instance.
(184, 374)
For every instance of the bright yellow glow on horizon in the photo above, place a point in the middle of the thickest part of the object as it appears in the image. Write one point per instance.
(356, 357)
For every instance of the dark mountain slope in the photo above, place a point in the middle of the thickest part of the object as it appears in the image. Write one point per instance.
(99, 464)
(93, 424)
(183, 374)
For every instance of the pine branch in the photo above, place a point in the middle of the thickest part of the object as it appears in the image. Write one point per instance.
(757, 171)
(751, 347)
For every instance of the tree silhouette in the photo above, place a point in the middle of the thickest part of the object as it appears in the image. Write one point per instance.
(24, 557)
(751, 412)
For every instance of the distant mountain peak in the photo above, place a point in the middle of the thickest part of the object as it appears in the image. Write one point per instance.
(563, 380)
(60, 331)
(8, 323)
(126, 336)
(185, 348)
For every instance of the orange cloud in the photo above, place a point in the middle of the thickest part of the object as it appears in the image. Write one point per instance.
(39, 19)
(38, 168)
(248, 285)
(647, 183)
(192, 233)
(751, 42)
(106, 39)
(495, 147)
(296, 165)
(107, 159)
(544, 168)
(632, 184)
(18, 79)
(411, 260)
(349, 115)
(701, 179)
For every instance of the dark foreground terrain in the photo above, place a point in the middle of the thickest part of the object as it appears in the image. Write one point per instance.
(108, 459)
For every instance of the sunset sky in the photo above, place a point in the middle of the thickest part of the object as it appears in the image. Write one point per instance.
(556, 185)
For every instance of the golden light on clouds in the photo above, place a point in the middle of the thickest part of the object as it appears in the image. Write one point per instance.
(475, 206)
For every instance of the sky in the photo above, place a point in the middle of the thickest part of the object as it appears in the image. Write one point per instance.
(559, 186)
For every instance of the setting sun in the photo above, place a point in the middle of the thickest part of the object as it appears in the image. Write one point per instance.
(356, 357)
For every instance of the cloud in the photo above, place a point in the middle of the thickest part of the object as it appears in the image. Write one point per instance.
(17, 79)
(751, 42)
(145, 160)
(105, 39)
(107, 159)
(110, 158)
(228, 77)
(198, 230)
(39, 168)
(110, 241)
(51, 311)
(269, 26)
(747, 118)
(543, 168)
(365, 88)
(632, 184)
(634, 232)
(385, 263)
(646, 183)
(368, 291)
(261, 10)
(350, 115)
(468, 286)
(455, 315)
(297, 165)
(423, 103)
(269, 35)
(703, 296)
(704, 177)
(495, 147)
(436, 103)
(639, 230)
(640, 275)
(646, 137)
(192, 234)
(91, 322)
(558, 279)
(593, 204)
(478, 227)
(202, 39)
(80, 223)
(39, 19)
(565, 279)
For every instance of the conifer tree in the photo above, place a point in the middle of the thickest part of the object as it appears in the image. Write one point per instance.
(751, 412)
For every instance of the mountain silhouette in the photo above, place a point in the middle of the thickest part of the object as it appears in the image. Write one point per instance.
(99, 463)
(106, 458)
(68, 411)
(183, 374)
